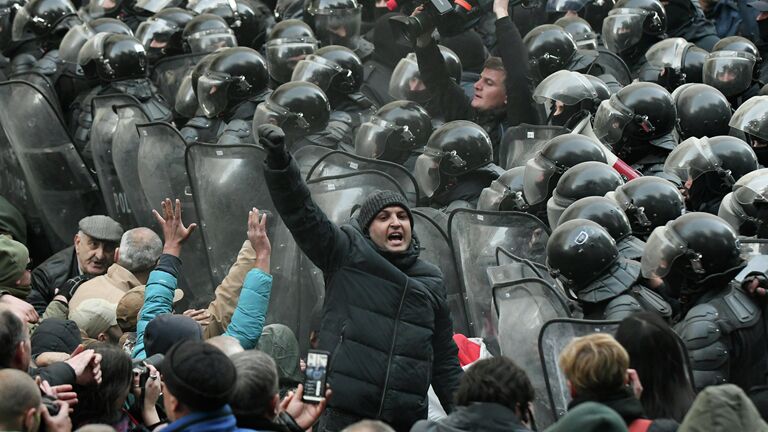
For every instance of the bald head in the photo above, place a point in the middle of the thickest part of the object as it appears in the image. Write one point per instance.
(18, 396)
(227, 344)
(368, 426)
(139, 250)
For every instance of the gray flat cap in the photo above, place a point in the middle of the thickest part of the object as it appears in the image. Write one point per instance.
(101, 227)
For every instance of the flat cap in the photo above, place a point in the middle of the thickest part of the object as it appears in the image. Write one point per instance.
(101, 227)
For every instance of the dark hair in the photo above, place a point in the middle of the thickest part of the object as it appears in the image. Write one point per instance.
(497, 380)
(658, 356)
(257, 384)
(11, 333)
(102, 403)
(494, 63)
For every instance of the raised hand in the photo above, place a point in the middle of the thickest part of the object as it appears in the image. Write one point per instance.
(257, 234)
(304, 414)
(174, 231)
(25, 311)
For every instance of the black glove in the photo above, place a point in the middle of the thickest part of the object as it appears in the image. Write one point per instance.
(272, 138)
(69, 287)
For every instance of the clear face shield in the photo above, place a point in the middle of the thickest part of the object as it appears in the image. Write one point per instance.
(663, 247)
(226, 9)
(153, 6)
(499, 197)
(566, 87)
(186, 100)
(729, 71)
(102, 8)
(155, 33)
(752, 118)
(610, 120)
(319, 71)
(694, 157)
(213, 91)
(427, 172)
(623, 28)
(405, 82)
(375, 136)
(538, 173)
(339, 26)
(211, 40)
(555, 209)
(668, 53)
(284, 54)
(269, 112)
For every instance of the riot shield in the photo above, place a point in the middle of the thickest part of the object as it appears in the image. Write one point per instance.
(307, 156)
(521, 143)
(475, 236)
(528, 268)
(614, 65)
(340, 162)
(436, 249)
(340, 195)
(523, 306)
(44, 85)
(102, 134)
(56, 178)
(163, 174)
(168, 73)
(125, 157)
(554, 336)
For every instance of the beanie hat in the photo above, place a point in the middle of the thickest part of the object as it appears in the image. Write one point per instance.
(167, 329)
(199, 375)
(94, 316)
(380, 200)
(12, 221)
(55, 335)
(14, 257)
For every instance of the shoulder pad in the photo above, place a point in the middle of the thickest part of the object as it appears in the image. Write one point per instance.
(621, 307)
(49, 64)
(617, 280)
(741, 308)
(199, 122)
(706, 345)
(652, 301)
(189, 134)
(340, 116)
(239, 128)
(157, 109)
(22, 63)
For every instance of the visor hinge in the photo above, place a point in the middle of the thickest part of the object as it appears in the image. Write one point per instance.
(455, 159)
(645, 125)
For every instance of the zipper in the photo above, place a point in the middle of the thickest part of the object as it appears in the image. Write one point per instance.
(392, 348)
(338, 346)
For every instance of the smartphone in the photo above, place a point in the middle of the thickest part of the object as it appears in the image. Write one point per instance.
(315, 375)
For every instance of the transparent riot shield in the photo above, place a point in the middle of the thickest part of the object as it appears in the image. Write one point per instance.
(521, 143)
(527, 268)
(755, 253)
(436, 249)
(56, 179)
(613, 64)
(168, 73)
(475, 236)
(523, 306)
(307, 156)
(340, 195)
(44, 85)
(102, 134)
(554, 336)
(125, 157)
(339, 162)
(163, 174)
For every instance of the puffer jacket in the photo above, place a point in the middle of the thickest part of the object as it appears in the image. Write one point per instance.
(385, 319)
(478, 416)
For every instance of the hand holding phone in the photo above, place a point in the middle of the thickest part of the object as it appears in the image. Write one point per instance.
(315, 376)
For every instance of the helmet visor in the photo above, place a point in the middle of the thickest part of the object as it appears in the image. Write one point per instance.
(752, 117)
(692, 158)
(101, 8)
(212, 93)
(19, 24)
(623, 29)
(202, 42)
(73, 41)
(554, 211)
(284, 54)
(755, 190)
(566, 5)
(730, 212)
(155, 33)
(405, 82)
(153, 6)
(271, 113)
(668, 53)
(564, 86)
(661, 250)
(376, 135)
(316, 70)
(610, 120)
(729, 71)
(538, 173)
(339, 26)
(427, 173)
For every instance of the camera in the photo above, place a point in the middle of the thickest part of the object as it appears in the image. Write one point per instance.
(140, 368)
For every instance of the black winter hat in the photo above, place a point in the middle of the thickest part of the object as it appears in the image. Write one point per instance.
(199, 375)
(55, 335)
(379, 200)
(167, 329)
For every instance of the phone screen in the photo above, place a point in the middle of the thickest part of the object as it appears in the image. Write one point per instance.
(314, 382)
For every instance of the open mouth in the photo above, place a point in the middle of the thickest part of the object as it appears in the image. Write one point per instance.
(395, 238)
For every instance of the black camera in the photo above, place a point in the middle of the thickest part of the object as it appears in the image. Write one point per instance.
(50, 404)
(140, 368)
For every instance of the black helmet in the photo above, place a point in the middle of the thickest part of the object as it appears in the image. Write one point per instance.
(740, 44)
(640, 111)
(78, 35)
(332, 67)
(630, 20)
(335, 22)
(649, 202)
(550, 49)
(752, 119)
(505, 193)
(682, 59)
(255, 19)
(43, 18)
(579, 251)
(580, 30)
(207, 33)
(405, 82)
(577, 92)
(393, 132)
(454, 149)
(543, 171)
(731, 72)
(233, 75)
(696, 246)
(746, 208)
(601, 210)
(592, 11)
(289, 42)
(113, 57)
(161, 33)
(299, 108)
(712, 165)
(8, 10)
(582, 180)
(226, 9)
(702, 111)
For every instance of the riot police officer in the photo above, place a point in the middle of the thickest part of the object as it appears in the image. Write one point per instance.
(456, 165)
(255, 19)
(337, 22)
(37, 29)
(161, 33)
(637, 122)
(649, 202)
(584, 258)
(406, 83)
(746, 208)
(394, 133)
(505, 193)
(631, 27)
(580, 30)
(289, 42)
(672, 63)
(733, 67)
(750, 119)
(582, 180)
(710, 167)
(697, 255)
(569, 97)
(701, 110)
(298, 108)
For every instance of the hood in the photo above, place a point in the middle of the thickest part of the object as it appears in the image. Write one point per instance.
(484, 416)
(722, 408)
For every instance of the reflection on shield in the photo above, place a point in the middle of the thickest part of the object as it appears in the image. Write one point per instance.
(521, 143)
(523, 306)
(44, 85)
(475, 236)
(163, 174)
(168, 73)
(429, 226)
(554, 336)
(307, 156)
(125, 155)
(57, 180)
(527, 268)
(339, 162)
(105, 121)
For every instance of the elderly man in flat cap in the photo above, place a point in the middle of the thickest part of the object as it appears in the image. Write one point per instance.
(91, 255)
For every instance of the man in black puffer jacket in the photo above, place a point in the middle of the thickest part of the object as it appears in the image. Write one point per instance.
(385, 319)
